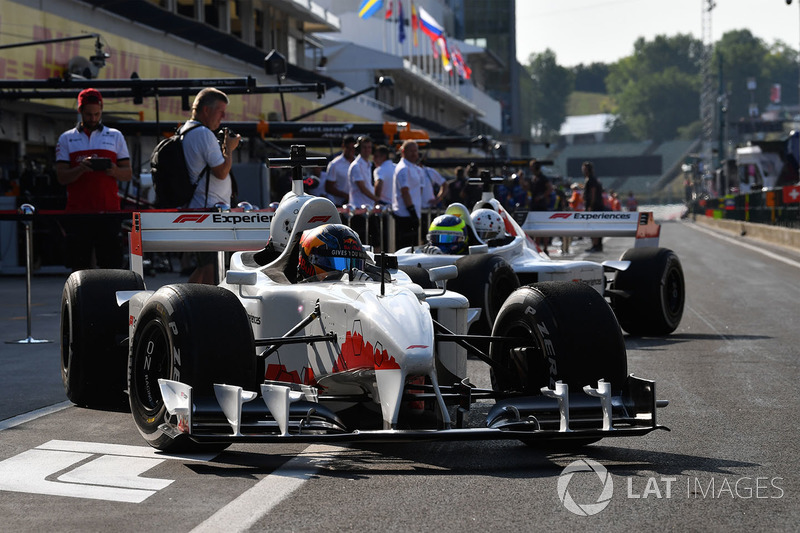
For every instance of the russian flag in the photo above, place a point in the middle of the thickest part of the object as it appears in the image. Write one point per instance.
(369, 7)
(429, 26)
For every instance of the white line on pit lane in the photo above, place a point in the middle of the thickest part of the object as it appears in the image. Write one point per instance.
(33, 415)
(773, 255)
(255, 503)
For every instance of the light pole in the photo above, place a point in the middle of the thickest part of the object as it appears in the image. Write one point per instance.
(788, 3)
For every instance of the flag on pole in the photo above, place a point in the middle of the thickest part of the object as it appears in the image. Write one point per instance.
(446, 63)
(369, 7)
(414, 24)
(389, 10)
(458, 61)
(429, 26)
(401, 30)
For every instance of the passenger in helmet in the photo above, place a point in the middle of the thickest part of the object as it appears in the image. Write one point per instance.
(327, 250)
(448, 235)
(488, 224)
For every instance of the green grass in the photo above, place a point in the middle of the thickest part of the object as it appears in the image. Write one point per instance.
(582, 103)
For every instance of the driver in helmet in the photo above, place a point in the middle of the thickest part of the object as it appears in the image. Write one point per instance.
(488, 224)
(329, 251)
(447, 235)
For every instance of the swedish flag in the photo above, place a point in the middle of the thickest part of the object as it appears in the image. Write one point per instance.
(369, 7)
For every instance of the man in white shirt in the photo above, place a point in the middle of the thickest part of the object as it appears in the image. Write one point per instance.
(209, 163)
(361, 192)
(383, 174)
(407, 196)
(337, 184)
(430, 197)
(204, 151)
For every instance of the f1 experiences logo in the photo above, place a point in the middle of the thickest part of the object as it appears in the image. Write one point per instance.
(605, 487)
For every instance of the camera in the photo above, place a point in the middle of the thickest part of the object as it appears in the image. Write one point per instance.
(221, 135)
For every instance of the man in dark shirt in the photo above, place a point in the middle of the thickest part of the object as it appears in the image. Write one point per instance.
(593, 198)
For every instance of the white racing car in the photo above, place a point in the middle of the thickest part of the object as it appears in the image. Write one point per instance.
(646, 291)
(313, 340)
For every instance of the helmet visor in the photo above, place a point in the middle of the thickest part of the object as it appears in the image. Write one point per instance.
(337, 264)
(446, 238)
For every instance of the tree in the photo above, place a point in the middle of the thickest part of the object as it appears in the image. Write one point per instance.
(591, 78)
(552, 87)
(657, 89)
(780, 66)
(743, 57)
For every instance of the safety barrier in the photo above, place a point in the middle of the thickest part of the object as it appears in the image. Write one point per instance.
(777, 207)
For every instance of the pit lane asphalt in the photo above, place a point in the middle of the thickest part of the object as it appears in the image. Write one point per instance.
(730, 371)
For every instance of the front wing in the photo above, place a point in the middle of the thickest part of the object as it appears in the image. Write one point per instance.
(291, 413)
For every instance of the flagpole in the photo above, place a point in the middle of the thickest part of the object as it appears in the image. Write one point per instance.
(410, 37)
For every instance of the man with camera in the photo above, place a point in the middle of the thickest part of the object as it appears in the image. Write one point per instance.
(209, 154)
(90, 159)
(209, 159)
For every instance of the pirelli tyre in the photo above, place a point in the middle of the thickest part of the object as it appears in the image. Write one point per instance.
(567, 333)
(652, 292)
(94, 331)
(418, 275)
(486, 280)
(196, 334)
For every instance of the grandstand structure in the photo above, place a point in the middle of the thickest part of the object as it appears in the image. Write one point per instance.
(649, 169)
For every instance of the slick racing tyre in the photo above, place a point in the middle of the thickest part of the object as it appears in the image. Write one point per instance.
(654, 292)
(419, 276)
(486, 280)
(94, 330)
(196, 334)
(566, 331)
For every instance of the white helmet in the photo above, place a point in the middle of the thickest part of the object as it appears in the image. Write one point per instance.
(488, 224)
(280, 229)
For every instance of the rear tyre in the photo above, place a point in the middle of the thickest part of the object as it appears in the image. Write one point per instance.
(570, 335)
(486, 280)
(94, 330)
(419, 276)
(196, 334)
(657, 292)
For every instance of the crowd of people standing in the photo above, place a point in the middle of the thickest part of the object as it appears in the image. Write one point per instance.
(366, 175)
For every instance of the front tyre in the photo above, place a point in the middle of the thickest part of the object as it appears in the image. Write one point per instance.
(566, 331)
(196, 334)
(655, 292)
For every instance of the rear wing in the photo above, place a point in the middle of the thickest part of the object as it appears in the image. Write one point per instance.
(173, 231)
(638, 224)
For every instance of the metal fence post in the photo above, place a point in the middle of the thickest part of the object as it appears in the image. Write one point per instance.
(28, 210)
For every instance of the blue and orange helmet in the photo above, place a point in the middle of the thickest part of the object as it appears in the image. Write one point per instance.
(328, 249)
(447, 233)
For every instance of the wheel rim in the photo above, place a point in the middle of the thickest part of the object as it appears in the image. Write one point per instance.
(518, 365)
(151, 362)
